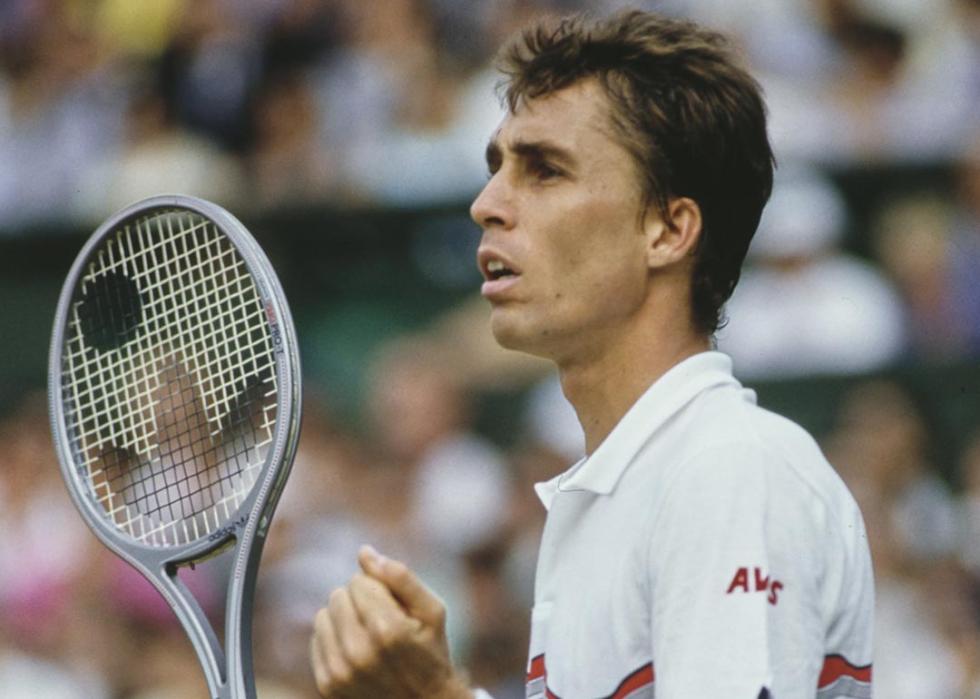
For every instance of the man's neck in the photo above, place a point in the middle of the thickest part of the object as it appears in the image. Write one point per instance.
(605, 387)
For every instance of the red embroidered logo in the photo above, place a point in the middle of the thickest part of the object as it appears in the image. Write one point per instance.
(742, 582)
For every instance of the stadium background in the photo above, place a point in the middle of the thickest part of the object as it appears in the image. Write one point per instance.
(348, 135)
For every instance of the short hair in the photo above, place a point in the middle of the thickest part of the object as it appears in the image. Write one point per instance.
(690, 115)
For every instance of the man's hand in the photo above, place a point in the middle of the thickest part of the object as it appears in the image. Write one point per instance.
(383, 635)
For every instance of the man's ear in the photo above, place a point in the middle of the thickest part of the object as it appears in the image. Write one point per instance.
(670, 241)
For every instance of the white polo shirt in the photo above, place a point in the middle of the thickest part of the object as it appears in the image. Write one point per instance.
(706, 550)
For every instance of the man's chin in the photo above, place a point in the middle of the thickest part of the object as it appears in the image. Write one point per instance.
(506, 330)
(513, 335)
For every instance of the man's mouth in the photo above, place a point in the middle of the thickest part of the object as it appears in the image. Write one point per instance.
(497, 270)
(499, 276)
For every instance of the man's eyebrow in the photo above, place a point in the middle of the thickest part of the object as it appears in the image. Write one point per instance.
(530, 150)
(540, 150)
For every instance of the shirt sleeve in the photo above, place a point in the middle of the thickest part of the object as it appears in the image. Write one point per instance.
(733, 580)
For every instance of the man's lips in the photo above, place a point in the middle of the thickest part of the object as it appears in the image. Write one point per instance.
(495, 265)
(496, 289)
(499, 272)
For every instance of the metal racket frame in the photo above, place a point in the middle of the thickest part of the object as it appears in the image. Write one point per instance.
(228, 671)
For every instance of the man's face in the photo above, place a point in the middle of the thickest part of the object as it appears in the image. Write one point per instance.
(563, 251)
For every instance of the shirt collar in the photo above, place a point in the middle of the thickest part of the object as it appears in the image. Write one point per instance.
(600, 472)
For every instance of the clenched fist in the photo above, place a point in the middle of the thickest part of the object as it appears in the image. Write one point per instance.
(383, 635)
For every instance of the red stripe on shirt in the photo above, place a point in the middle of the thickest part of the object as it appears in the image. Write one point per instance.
(639, 679)
(636, 680)
(837, 666)
(537, 669)
(834, 667)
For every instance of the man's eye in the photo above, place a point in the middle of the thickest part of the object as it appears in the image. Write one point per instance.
(544, 171)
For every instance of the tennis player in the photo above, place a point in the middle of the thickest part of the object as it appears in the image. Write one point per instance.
(704, 548)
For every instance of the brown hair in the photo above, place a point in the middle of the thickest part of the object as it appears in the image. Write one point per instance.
(693, 119)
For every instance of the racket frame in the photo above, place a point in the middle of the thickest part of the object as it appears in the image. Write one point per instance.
(228, 670)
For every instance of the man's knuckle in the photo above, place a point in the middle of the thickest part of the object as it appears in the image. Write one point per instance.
(363, 657)
(341, 674)
(386, 634)
(396, 634)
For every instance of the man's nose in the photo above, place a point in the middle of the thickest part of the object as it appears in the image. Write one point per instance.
(494, 205)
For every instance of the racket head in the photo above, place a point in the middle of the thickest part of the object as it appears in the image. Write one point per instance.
(174, 381)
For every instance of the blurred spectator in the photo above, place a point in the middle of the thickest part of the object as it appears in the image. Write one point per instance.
(361, 85)
(421, 423)
(788, 39)
(925, 626)
(210, 72)
(804, 306)
(500, 575)
(445, 489)
(312, 547)
(497, 646)
(883, 107)
(912, 244)
(62, 106)
(865, 81)
(478, 362)
(914, 657)
(424, 487)
(287, 165)
(157, 157)
(396, 108)
(882, 435)
(931, 248)
(297, 33)
(45, 557)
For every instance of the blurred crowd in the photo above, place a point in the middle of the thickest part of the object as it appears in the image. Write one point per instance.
(272, 104)
(418, 481)
(269, 103)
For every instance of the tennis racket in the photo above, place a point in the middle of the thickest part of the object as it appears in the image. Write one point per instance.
(174, 392)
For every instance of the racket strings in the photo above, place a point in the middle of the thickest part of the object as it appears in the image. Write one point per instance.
(170, 375)
(188, 475)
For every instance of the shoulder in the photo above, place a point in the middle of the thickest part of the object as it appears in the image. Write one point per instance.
(730, 416)
(735, 450)
(730, 422)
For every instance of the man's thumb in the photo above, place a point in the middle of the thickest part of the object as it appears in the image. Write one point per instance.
(417, 599)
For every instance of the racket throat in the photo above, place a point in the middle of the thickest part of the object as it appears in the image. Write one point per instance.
(193, 618)
(227, 661)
